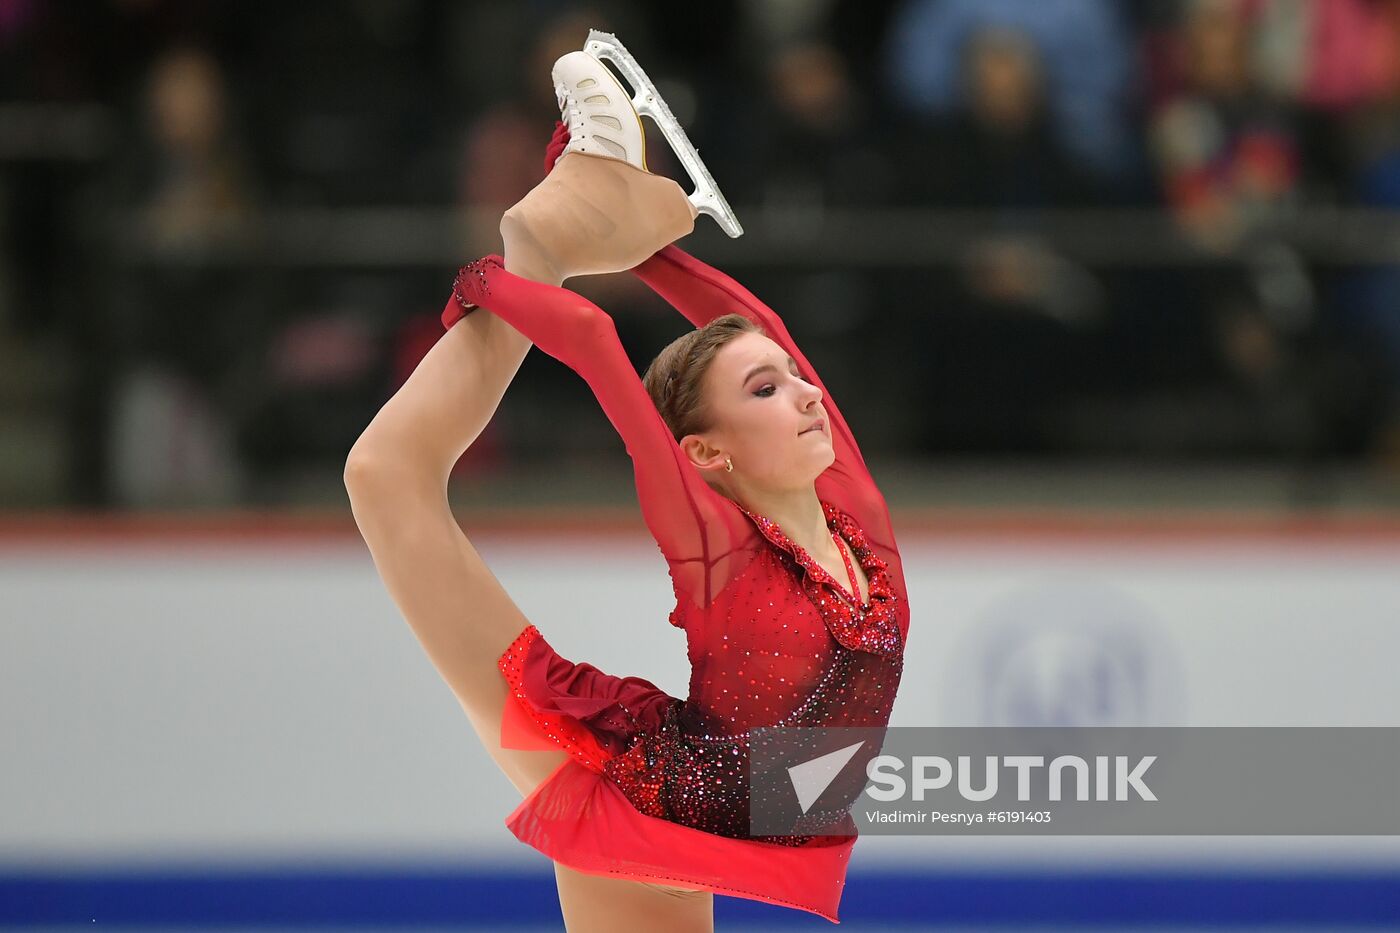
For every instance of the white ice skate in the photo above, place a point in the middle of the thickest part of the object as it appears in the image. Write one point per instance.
(603, 120)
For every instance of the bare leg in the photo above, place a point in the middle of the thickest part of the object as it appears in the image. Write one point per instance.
(590, 215)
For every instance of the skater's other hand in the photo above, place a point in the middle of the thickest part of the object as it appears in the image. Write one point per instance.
(557, 142)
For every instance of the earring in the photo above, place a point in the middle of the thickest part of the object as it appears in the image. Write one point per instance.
(728, 465)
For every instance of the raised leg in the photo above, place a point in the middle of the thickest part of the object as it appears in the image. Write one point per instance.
(592, 214)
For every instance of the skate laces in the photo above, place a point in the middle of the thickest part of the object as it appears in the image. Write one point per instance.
(568, 108)
(576, 120)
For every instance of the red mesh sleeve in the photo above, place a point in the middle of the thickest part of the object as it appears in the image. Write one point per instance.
(700, 532)
(702, 293)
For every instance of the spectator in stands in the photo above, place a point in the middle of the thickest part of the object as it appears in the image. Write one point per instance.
(1227, 152)
(1086, 56)
(1366, 306)
(1026, 314)
(1231, 156)
(182, 316)
(820, 144)
(996, 148)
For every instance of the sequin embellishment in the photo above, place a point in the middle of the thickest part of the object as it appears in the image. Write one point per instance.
(873, 627)
(683, 770)
(470, 285)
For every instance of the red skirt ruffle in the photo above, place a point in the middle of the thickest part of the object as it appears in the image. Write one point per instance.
(580, 818)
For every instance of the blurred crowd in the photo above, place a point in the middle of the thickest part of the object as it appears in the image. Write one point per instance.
(191, 310)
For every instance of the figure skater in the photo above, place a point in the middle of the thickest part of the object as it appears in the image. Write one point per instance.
(787, 579)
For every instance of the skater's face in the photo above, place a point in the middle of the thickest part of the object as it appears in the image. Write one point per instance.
(762, 410)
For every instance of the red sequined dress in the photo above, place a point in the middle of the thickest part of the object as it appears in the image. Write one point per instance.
(656, 786)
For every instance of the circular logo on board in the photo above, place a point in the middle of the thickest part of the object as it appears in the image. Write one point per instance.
(1066, 653)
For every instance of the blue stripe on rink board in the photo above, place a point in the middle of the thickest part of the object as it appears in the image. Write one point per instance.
(301, 896)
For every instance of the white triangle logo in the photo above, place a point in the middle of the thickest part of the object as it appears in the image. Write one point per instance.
(813, 777)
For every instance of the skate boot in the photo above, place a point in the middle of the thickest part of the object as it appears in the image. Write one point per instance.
(597, 111)
(604, 120)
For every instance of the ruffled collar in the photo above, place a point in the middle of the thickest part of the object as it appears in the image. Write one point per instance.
(873, 627)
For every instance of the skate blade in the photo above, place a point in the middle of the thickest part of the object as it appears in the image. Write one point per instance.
(707, 197)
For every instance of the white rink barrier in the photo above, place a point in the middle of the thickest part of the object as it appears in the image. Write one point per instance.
(256, 699)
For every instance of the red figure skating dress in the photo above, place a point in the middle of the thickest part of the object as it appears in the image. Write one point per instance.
(656, 786)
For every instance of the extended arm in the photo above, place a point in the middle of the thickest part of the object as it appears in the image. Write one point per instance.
(694, 526)
(702, 293)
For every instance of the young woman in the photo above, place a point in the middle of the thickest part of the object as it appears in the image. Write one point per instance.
(788, 582)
